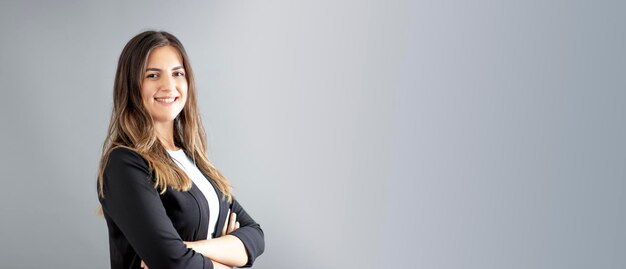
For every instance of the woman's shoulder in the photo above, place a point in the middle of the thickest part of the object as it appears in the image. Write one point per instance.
(125, 169)
(122, 151)
(122, 156)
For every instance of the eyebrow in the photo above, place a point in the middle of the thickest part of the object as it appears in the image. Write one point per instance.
(156, 69)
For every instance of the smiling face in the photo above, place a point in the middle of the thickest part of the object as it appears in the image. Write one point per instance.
(164, 85)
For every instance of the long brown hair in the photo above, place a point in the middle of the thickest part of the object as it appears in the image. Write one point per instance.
(132, 126)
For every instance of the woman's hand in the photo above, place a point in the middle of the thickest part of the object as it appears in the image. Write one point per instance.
(225, 251)
(231, 223)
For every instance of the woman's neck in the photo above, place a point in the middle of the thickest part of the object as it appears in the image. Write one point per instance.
(165, 133)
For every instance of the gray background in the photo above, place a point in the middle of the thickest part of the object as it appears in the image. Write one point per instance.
(359, 134)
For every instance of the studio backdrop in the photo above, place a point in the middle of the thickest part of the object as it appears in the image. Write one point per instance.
(358, 134)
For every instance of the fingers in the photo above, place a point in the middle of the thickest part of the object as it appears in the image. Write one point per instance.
(224, 230)
(232, 222)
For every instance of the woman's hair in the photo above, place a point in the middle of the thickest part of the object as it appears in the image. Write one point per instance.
(132, 126)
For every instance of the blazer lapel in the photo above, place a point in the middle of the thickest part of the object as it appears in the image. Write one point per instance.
(202, 230)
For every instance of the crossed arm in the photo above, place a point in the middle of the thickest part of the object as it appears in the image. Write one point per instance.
(225, 251)
(238, 244)
(133, 205)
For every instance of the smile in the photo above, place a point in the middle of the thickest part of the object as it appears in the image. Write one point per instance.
(165, 100)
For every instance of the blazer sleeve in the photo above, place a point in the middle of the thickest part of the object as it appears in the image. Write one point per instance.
(134, 205)
(249, 232)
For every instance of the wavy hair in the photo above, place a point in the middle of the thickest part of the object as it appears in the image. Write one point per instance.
(132, 126)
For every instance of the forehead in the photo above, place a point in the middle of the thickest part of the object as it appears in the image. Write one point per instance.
(164, 58)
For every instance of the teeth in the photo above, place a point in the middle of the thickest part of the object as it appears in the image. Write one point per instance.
(165, 100)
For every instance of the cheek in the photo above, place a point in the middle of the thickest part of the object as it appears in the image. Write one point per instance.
(184, 90)
(147, 92)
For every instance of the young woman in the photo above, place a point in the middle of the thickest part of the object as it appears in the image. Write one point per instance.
(165, 204)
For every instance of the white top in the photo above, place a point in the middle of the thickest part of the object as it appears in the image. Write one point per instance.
(203, 184)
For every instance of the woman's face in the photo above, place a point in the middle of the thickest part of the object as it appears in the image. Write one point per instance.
(164, 85)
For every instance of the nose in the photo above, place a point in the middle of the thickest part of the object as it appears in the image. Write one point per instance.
(168, 83)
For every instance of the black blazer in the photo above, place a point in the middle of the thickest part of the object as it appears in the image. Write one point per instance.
(144, 225)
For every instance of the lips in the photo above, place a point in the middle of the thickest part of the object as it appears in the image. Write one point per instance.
(165, 100)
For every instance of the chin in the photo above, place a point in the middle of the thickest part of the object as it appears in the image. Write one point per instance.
(164, 119)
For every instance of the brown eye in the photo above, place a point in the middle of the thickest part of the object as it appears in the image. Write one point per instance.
(151, 76)
(179, 74)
